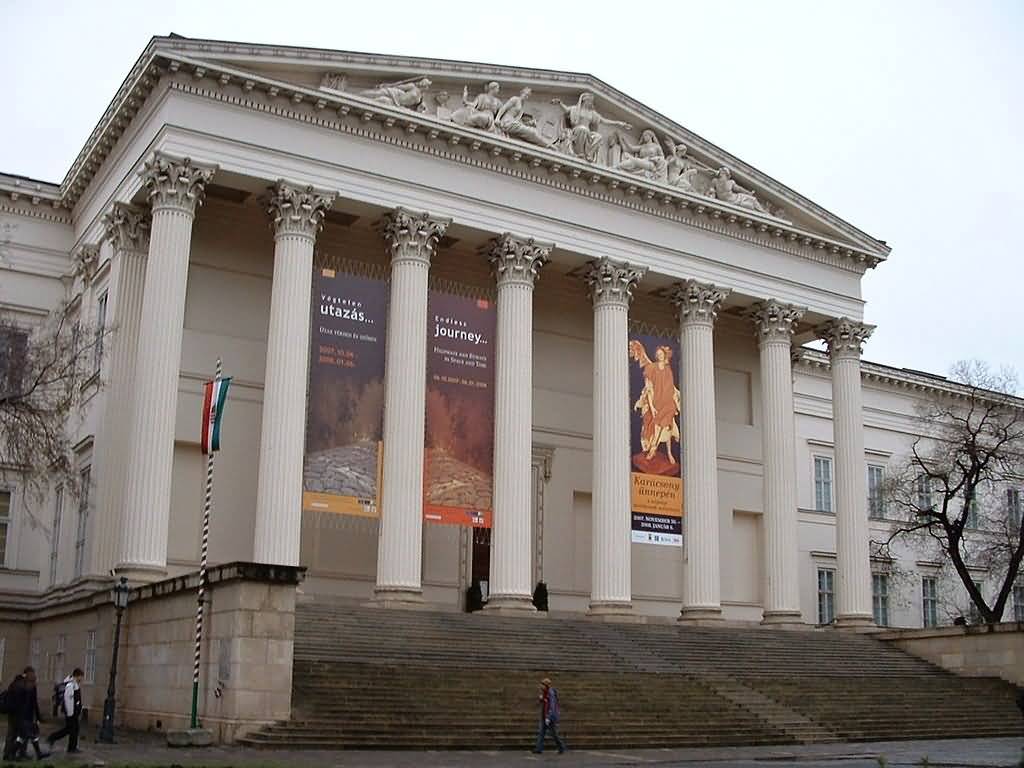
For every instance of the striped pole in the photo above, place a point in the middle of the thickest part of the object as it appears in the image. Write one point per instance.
(207, 503)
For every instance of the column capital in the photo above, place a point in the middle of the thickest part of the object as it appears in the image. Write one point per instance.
(297, 210)
(413, 236)
(775, 321)
(126, 227)
(175, 183)
(517, 259)
(698, 302)
(612, 282)
(844, 337)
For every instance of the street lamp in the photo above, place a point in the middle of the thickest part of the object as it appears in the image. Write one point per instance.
(120, 592)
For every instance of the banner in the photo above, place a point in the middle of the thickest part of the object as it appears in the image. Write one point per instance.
(655, 477)
(459, 458)
(346, 394)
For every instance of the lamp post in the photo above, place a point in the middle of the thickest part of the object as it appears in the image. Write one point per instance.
(120, 592)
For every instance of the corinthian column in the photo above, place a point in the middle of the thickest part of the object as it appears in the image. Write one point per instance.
(611, 289)
(297, 215)
(127, 229)
(412, 238)
(845, 338)
(774, 324)
(175, 190)
(698, 307)
(516, 263)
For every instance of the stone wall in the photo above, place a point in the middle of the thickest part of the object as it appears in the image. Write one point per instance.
(983, 651)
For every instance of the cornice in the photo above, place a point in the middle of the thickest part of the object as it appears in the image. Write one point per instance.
(37, 210)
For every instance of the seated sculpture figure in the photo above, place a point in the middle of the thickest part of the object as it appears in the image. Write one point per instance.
(516, 123)
(646, 158)
(480, 112)
(406, 94)
(725, 189)
(582, 138)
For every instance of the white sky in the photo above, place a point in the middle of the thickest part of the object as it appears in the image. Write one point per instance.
(903, 118)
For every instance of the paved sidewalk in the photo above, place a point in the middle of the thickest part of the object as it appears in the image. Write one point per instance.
(150, 750)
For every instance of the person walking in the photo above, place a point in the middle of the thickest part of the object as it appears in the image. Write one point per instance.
(23, 717)
(71, 708)
(550, 713)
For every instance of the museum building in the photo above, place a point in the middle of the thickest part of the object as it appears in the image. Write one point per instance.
(306, 215)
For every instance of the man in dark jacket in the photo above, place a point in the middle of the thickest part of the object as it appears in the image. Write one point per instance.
(23, 715)
(550, 713)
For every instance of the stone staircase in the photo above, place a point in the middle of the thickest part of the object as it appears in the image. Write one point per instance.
(373, 678)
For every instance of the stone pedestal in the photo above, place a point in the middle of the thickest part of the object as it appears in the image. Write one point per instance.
(297, 215)
(698, 305)
(845, 339)
(774, 324)
(412, 238)
(175, 189)
(611, 287)
(516, 263)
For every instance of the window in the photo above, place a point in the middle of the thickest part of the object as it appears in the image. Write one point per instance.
(3, 654)
(58, 512)
(1013, 507)
(880, 598)
(1018, 603)
(5, 524)
(826, 595)
(13, 349)
(90, 657)
(924, 493)
(101, 321)
(823, 484)
(929, 602)
(971, 518)
(83, 522)
(876, 504)
(36, 652)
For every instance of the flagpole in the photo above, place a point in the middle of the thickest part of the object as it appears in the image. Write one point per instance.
(207, 503)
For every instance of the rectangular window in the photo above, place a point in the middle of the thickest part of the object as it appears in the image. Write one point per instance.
(36, 653)
(5, 524)
(876, 503)
(929, 602)
(90, 657)
(83, 523)
(823, 484)
(3, 655)
(13, 354)
(971, 519)
(924, 493)
(58, 513)
(101, 321)
(1013, 507)
(880, 598)
(826, 595)
(1018, 603)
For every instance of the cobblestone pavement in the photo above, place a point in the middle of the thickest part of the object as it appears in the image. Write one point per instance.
(149, 750)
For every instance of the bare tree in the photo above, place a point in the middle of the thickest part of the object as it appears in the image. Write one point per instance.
(956, 498)
(42, 372)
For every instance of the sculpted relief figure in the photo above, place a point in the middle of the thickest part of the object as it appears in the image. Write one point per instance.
(516, 123)
(646, 158)
(481, 111)
(725, 189)
(582, 120)
(407, 94)
(686, 173)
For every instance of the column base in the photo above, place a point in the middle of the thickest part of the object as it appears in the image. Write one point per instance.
(402, 599)
(614, 612)
(141, 574)
(856, 622)
(511, 605)
(700, 615)
(783, 620)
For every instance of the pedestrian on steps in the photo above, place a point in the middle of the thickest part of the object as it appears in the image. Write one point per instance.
(550, 713)
(69, 704)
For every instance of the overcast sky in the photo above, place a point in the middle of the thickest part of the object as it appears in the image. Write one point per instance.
(904, 118)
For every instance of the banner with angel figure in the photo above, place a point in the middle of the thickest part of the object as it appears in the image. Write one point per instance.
(657, 486)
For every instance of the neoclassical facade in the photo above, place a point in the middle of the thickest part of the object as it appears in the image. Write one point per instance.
(222, 176)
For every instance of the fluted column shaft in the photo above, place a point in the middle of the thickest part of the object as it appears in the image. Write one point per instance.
(297, 216)
(412, 239)
(175, 190)
(698, 307)
(516, 263)
(853, 556)
(611, 287)
(774, 324)
(127, 228)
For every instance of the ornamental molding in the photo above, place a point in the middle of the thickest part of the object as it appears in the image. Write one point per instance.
(175, 183)
(697, 302)
(517, 260)
(612, 282)
(86, 261)
(845, 337)
(298, 211)
(775, 321)
(412, 236)
(362, 116)
(126, 227)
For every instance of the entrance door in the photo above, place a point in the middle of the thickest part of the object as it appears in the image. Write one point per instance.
(481, 560)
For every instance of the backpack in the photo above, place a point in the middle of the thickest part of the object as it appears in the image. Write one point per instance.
(58, 698)
(554, 711)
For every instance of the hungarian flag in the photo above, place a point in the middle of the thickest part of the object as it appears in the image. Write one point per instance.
(216, 392)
